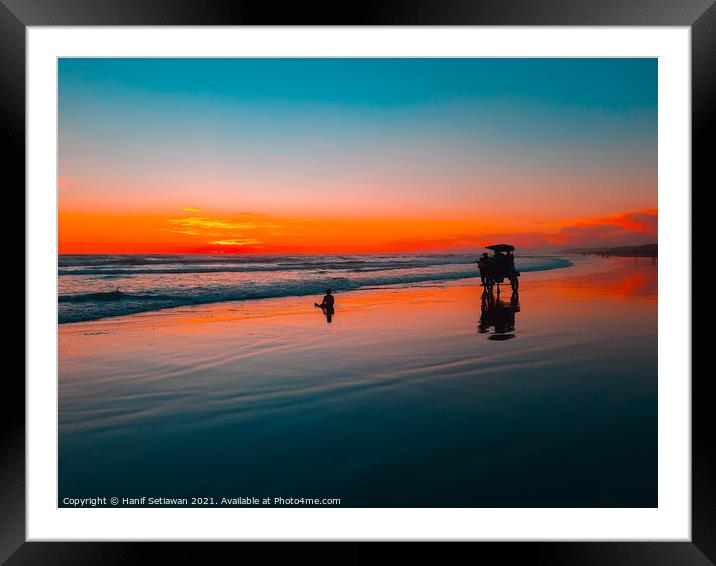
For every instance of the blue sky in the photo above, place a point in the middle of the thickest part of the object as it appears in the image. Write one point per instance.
(599, 83)
(558, 137)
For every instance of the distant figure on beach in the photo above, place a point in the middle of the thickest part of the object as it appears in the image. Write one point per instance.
(328, 300)
(327, 305)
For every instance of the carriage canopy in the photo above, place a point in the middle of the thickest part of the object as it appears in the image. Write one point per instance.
(501, 248)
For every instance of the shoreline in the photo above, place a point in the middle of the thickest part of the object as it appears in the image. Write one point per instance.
(437, 281)
(582, 270)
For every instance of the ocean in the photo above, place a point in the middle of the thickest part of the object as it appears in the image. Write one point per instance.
(92, 287)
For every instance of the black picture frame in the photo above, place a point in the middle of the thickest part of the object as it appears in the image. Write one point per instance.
(17, 15)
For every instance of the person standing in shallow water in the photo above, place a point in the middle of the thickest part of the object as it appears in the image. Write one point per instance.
(327, 305)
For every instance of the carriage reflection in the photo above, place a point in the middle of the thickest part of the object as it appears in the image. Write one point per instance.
(497, 317)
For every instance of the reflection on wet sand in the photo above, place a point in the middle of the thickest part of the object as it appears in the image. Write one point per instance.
(498, 316)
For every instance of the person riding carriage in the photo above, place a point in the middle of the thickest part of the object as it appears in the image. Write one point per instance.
(498, 267)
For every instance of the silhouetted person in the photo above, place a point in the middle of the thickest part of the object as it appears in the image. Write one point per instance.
(328, 300)
(482, 263)
(327, 305)
(510, 258)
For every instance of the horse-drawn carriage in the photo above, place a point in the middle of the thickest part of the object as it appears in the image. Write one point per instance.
(498, 267)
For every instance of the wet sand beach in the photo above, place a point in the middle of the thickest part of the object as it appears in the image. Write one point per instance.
(415, 396)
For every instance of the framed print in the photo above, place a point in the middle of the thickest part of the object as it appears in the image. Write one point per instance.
(388, 279)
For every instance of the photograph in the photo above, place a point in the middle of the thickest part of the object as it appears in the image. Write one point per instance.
(357, 282)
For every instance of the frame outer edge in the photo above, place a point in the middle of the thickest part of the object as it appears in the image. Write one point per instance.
(12, 120)
(366, 12)
(12, 415)
(703, 97)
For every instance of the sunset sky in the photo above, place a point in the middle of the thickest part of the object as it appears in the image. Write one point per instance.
(355, 155)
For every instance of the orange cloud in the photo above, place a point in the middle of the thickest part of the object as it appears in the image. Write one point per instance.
(210, 223)
(627, 228)
(235, 242)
